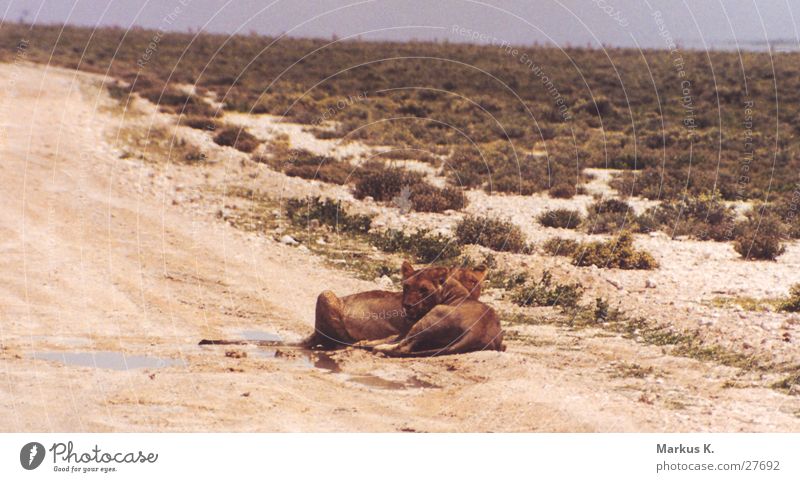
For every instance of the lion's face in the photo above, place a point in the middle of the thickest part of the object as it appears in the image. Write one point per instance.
(471, 279)
(422, 289)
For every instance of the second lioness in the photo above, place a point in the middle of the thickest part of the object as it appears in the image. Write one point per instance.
(450, 322)
(376, 315)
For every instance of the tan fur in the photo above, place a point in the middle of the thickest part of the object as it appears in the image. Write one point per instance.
(374, 317)
(450, 321)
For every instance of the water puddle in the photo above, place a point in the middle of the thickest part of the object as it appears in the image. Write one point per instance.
(112, 360)
(321, 360)
(257, 335)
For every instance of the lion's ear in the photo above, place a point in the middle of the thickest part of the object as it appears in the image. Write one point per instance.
(406, 270)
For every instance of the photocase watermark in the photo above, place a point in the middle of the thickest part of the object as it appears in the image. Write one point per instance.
(67, 459)
(377, 315)
(679, 64)
(613, 12)
(339, 106)
(523, 58)
(20, 54)
(748, 154)
(794, 205)
(31, 455)
(166, 22)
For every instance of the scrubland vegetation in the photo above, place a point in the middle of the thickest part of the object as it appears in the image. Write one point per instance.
(719, 135)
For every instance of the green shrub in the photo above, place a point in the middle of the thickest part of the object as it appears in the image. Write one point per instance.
(327, 212)
(238, 138)
(760, 237)
(792, 303)
(546, 292)
(560, 218)
(491, 233)
(615, 253)
(561, 247)
(425, 247)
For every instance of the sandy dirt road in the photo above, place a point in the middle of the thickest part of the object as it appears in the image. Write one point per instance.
(94, 259)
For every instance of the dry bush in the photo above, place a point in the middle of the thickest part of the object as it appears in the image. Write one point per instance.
(703, 217)
(547, 292)
(200, 122)
(561, 247)
(491, 233)
(560, 218)
(562, 191)
(760, 237)
(615, 253)
(238, 138)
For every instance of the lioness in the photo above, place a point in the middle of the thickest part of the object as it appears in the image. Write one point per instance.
(450, 321)
(374, 317)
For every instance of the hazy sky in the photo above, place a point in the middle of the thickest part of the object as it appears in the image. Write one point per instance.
(692, 23)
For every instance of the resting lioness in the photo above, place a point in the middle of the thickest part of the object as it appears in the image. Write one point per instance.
(376, 316)
(449, 320)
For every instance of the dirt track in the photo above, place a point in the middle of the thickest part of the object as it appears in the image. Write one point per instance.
(94, 256)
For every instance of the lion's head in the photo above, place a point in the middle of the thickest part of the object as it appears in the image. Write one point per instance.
(423, 288)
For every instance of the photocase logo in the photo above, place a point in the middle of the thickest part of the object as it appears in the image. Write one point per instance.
(31, 455)
(403, 200)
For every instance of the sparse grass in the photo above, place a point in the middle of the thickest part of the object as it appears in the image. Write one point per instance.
(157, 145)
(305, 212)
(506, 280)
(547, 292)
(684, 344)
(792, 303)
(631, 370)
(786, 383)
(746, 303)
(422, 245)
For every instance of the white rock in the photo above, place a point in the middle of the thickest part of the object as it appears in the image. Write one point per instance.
(321, 241)
(650, 283)
(303, 248)
(286, 239)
